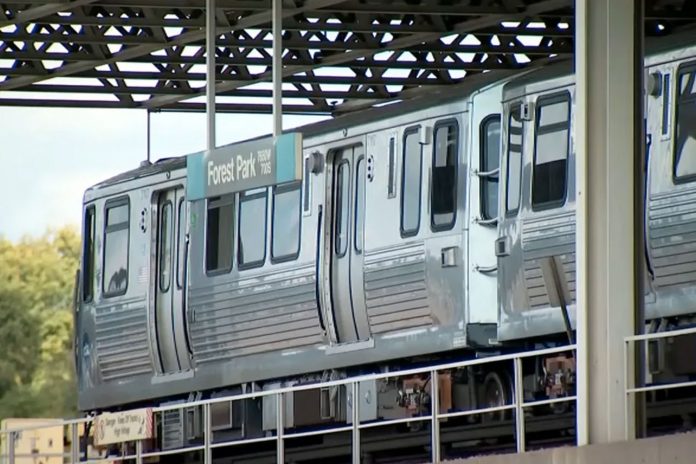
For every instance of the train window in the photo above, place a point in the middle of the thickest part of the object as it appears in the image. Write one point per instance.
(359, 205)
(443, 188)
(252, 228)
(88, 256)
(165, 247)
(342, 207)
(115, 275)
(285, 242)
(219, 234)
(685, 140)
(552, 133)
(490, 161)
(391, 191)
(180, 243)
(411, 184)
(514, 160)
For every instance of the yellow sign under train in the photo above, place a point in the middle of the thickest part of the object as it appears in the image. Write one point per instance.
(117, 427)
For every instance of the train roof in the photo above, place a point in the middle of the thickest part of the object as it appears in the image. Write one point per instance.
(144, 170)
(438, 95)
(655, 47)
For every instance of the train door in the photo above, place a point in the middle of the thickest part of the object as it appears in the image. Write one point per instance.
(537, 232)
(346, 251)
(169, 283)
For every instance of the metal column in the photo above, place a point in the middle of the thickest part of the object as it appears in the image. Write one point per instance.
(210, 73)
(277, 67)
(149, 136)
(606, 266)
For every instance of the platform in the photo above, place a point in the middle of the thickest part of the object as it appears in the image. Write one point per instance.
(673, 449)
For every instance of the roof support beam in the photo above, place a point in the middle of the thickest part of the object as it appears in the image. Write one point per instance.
(44, 10)
(130, 53)
(467, 26)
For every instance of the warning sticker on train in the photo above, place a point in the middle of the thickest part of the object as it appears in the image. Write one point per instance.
(110, 428)
(243, 166)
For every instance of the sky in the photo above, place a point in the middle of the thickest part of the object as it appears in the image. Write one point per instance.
(50, 156)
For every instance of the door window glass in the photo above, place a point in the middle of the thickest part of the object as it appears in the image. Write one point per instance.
(490, 161)
(165, 248)
(219, 234)
(552, 134)
(411, 184)
(514, 160)
(88, 256)
(342, 207)
(252, 228)
(443, 198)
(115, 280)
(359, 205)
(285, 244)
(685, 140)
(180, 243)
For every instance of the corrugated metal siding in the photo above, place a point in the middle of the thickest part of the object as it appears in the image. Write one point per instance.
(396, 290)
(672, 223)
(122, 340)
(275, 312)
(544, 237)
(536, 288)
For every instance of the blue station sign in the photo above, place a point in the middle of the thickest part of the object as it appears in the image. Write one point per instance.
(244, 166)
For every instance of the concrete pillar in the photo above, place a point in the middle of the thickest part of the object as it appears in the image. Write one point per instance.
(606, 135)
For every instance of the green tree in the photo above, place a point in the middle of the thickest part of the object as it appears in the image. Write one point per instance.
(36, 292)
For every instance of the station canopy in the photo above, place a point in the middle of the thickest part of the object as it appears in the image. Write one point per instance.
(338, 55)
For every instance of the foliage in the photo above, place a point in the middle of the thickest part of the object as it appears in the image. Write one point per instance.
(36, 291)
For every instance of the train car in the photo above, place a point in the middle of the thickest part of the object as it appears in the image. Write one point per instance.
(381, 256)
(536, 234)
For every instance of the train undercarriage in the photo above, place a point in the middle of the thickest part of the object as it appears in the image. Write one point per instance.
(397, 410)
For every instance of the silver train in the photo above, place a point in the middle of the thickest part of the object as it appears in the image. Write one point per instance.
(429, 230)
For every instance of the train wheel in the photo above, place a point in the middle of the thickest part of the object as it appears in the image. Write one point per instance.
(495, 394)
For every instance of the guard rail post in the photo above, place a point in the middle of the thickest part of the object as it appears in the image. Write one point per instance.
(207, 435)
(74, 444)
(280, 428)
(519, 405)
(435, 411)
(356, 422)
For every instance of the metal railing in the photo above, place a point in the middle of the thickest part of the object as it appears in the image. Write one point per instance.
(517, 405)
(631, 389)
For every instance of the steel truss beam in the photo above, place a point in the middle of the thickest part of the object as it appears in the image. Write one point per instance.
(338, 54)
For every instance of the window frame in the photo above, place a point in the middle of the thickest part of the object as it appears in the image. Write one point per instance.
(223, 200)
(242, 197)
(287, 187)
(542, 101)
(452, 123)
(684, 68)
(483, 152)
(517, 105)
(89, 211)
(113, 203)
(407, 132)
